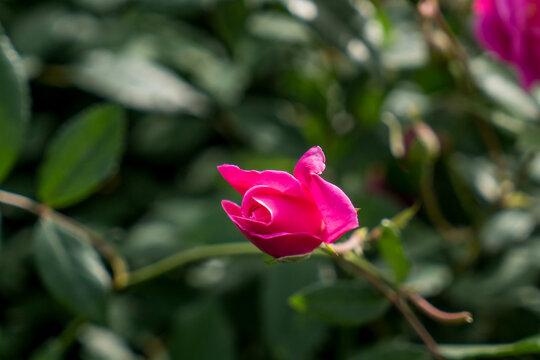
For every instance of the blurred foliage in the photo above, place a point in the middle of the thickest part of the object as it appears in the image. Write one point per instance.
(126, 107)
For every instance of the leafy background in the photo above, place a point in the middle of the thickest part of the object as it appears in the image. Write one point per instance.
(117, 112)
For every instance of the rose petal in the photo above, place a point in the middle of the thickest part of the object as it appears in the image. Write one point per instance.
(490, 31)
(312, 162)
(231, 208)
(240, 221)
(283, 244)
(243, 180)
(337, 211)
(278, 244)
(287, 214)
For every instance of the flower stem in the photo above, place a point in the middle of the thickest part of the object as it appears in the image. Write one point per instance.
(187, 256)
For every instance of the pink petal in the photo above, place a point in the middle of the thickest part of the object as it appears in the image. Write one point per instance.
(283, 244)
(278, 244)
(492, 33)
(231, 208)
(287, 214)
(234, 212)
(312, 162)
(242, 180)
(337, 211)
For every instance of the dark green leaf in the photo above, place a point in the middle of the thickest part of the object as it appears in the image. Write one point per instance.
(393, 351)
(529, 139)
(290, 335)
(51, 350)
(343, 303)
(14, 105)
(478, 351)
(71, 269)
(84, 153)
(392, 251)
(201, 331)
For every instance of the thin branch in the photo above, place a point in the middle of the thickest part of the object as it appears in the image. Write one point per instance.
(117, 263)
(431, 203)
(438, 315)
(357, 265)
(523, 168)
(24, 203)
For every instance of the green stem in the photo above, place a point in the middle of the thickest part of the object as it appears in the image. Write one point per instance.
(187, 256)
(68, 336)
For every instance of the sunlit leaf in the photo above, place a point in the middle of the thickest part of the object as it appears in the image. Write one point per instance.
(71, 269)
(392, 251)
(83, 154)
(506, 228)
(101, 343)
(279, 27)
(429, 279)
(502, 90)
(137, 83)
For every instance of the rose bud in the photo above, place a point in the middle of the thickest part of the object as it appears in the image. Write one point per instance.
(511, 30)
(285, 215)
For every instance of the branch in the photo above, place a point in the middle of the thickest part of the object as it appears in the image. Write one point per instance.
(117, 263)
(359, 266)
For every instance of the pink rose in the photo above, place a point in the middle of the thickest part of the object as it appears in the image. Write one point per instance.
(511, 29)
(286, 215)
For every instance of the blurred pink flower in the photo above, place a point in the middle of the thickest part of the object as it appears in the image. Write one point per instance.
(286, 215)
(511, 29)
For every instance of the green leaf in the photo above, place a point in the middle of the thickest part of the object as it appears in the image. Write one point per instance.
(201, 331)
(279, 27)
(100, 343)
(529, 138)
(404, 217)
(290, 335)
(71, 269)
(506, 228)
(14, 105)
(502, 90)
(83, 154)
(392, 351)
(392, 250)
(526, 346)
(51, 350)
(429, 279)
(342, 303)
(137, 83)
